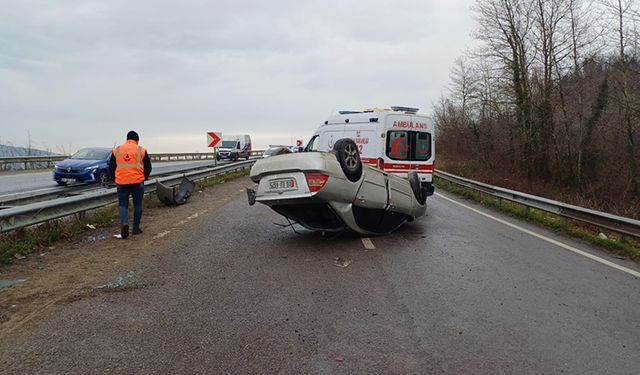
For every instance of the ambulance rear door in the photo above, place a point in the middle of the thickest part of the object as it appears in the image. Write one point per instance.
(422, 147)
(409, 146)
(396, 147)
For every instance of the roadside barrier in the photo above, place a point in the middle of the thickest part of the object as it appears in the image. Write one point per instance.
(31, 214)
(614, 223)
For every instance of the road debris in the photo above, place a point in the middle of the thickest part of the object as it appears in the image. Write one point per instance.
(19, 256)
(602, 236)
(175, 195)
(121, 282)
(339, 262)
(340, 359)
(117, 236)
(91, 226)
(7, 283)
(368, 244)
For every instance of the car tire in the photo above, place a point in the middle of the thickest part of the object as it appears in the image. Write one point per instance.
(348, 156)
(418, 191)
(103, 178)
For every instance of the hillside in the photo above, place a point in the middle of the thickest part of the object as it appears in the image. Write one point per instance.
(6, 151)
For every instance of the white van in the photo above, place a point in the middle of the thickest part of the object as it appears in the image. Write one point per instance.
(396, 140)
(234, 147)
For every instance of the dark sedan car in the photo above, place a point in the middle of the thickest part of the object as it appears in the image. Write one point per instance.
(88, 165)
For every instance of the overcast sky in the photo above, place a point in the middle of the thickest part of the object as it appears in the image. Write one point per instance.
(83, 73)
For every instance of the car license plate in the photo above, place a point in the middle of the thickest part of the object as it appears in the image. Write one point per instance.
(283, 184)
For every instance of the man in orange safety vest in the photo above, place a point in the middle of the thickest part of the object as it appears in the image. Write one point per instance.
(130, 167)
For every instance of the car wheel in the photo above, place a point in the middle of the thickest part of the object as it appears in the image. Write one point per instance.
(103, 178)
(349, 158)
(418, 191)
(61, 183)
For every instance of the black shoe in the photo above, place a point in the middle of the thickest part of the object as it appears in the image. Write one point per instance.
(124, 231)
(137, 231)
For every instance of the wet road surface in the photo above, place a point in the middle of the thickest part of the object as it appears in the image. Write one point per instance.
(454, 292)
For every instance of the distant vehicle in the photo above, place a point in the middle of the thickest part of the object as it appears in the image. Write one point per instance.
(333, 191)
(277, 150)
(234, 147)
(88, 165)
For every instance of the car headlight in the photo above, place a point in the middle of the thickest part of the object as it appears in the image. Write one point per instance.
(56, 166)
(92, 167)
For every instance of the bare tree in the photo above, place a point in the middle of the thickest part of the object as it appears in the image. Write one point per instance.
(505, 26)
(625, 14)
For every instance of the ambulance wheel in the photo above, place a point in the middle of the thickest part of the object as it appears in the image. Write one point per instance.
(349, 158)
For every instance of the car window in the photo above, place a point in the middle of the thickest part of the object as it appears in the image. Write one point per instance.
(228, 144)
(91, 154)
(314, 144)
(398, 145)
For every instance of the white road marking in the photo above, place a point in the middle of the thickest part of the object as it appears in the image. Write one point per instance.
(161, 234)
(368, 244)
(552, 241)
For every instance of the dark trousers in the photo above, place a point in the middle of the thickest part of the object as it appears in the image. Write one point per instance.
(137, 193)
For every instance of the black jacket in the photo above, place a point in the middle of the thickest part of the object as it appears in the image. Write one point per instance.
(145, 160)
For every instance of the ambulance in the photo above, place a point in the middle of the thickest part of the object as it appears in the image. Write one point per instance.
(396, 140)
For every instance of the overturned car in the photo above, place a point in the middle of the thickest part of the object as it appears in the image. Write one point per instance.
(333, 191)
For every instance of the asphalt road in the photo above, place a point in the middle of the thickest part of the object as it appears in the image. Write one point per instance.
(38, 181)
(454, 292)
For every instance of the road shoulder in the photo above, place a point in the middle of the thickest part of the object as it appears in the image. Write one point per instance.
(75, 269)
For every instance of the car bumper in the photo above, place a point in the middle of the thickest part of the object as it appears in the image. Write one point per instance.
(84, 176)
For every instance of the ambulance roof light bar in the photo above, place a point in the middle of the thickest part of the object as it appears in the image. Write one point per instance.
(409, 110)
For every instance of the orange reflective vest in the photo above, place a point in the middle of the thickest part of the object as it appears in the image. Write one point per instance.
(129, 164)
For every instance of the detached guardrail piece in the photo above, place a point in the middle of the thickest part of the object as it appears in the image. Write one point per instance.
(173, 195)
(614, 223)
(31, 214)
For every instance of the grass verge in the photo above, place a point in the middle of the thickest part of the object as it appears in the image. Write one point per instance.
(27, 241)
(615, 243)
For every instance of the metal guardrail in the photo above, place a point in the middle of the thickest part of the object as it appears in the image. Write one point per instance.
(27, 197)
(24, 216)
(26, 160)
(192, 156)
(614, 223)
(179, 156)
